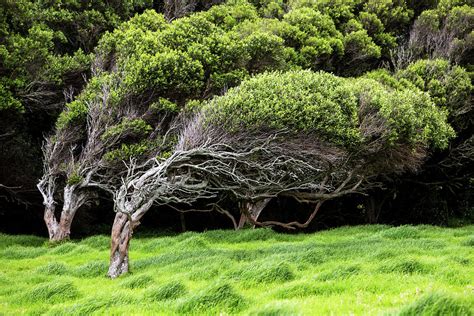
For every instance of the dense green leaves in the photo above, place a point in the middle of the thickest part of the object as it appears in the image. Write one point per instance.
(331, 107)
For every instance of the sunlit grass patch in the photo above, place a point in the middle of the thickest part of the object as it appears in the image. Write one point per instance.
(263, 272)
(91, 269)
(137, 281)
(21, 252)
(220, 297)
(53, 268)
(170, 290)
(436, 304)
(376, 270)
(51, 292)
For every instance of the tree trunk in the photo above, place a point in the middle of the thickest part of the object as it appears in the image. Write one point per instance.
(72, 201)
(51, 221)
(253, 210)
(121, 234)
(122, 231)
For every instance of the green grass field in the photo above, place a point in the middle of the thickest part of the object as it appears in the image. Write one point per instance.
(363, 270)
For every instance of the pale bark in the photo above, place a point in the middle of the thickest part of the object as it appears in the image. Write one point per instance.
(50, 220)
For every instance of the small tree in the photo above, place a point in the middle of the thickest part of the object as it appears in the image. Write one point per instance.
(311, 136)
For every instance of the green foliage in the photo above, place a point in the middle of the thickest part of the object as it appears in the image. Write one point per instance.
(449, 86)
(127, 151)
(133, 127)
(328, 106)
(8, 101)
(74, 178)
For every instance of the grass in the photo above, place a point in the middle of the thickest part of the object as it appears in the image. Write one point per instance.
(362, 270)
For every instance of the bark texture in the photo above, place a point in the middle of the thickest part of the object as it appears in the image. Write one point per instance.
(250, 212)
(120, 239)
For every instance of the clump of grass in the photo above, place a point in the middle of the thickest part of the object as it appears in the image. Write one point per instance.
(137, 281)
(436, 304)
(221, 298)
(312, 256)
(157, 244)
(461, 260)
(166, 291)
(20, 240)
(401, 232)
(86, 307)
(192, 243)
(248, 235)
(265, 272)
(91, 269)
(63, 248)
(383, 254)
(274, 310)
(54, 291)
(245, 254)
(20, 252)
(405, 266)
(469, 242)
(302, 290)
(53, 268)
(342, 272)
(99, 242)
(91, 305)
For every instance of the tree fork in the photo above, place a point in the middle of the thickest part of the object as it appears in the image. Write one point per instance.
(252, 210)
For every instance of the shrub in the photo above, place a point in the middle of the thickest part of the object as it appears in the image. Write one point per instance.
(328, 106)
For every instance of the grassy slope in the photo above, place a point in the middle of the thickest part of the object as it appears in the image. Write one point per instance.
(360, 270)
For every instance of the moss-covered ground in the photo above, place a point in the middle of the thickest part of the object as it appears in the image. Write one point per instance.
(363, 270)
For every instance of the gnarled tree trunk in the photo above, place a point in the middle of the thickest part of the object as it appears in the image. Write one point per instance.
(252, 210)
(122, 231)
(120, 239)
(73, 199)
(50, 220)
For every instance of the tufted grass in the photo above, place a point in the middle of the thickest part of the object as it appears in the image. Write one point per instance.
(407, 270)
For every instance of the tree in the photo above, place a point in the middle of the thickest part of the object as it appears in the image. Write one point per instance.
(311, 136)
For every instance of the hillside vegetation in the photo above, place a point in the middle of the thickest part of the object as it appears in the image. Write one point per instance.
(407, 270)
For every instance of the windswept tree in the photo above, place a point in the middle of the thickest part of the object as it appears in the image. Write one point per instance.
(312, 136)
